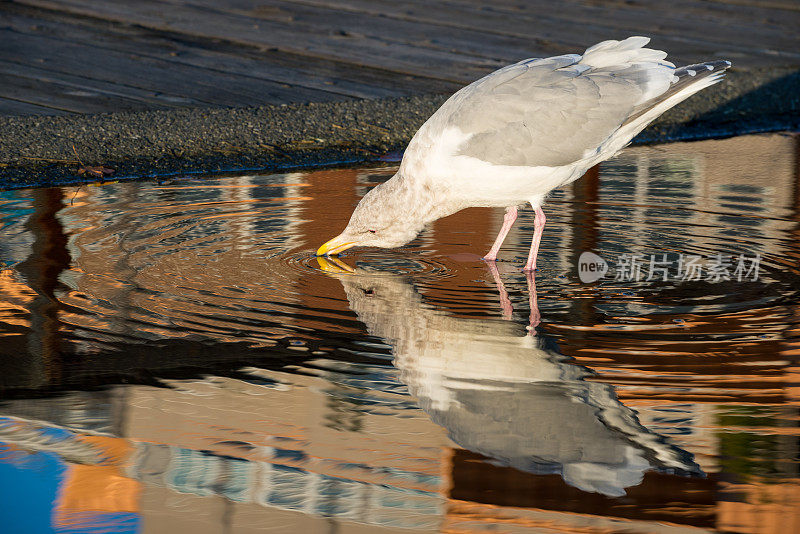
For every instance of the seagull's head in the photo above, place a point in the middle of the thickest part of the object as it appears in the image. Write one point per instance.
(386, 218)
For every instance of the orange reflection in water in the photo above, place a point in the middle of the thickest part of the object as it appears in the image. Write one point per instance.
(318, 402)
(90, 490)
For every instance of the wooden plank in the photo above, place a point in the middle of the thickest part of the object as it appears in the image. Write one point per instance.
(81, 84)
(751, 31)
(10, 108)
(305, 40)
(174, 83)
(527, 23)
(577, 26)
(167, 53)
(771, 5)
(53, 94)
(499, 47)
(273, 65)
(756, 14)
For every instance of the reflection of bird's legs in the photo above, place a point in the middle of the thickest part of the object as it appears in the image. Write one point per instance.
(505, 302)
(536, 317)
(508, 222)
(538, 228)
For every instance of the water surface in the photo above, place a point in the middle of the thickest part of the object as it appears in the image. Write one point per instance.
(174, 357)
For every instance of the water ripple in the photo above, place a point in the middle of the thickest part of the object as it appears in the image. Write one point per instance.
(182, 340)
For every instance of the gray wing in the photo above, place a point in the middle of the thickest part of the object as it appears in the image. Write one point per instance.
(558, 110)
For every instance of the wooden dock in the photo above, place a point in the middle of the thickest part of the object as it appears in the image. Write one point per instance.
(90, 56)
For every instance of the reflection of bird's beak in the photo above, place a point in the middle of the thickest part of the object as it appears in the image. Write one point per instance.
(335, 246)
(334, 265)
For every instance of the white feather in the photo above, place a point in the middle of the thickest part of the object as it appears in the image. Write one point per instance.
(522, 131)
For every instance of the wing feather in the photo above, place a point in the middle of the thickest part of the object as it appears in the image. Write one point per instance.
(555, 111)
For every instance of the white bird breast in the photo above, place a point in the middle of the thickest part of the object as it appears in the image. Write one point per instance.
(474, 182)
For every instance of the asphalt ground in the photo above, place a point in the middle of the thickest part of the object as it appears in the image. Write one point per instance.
(49, 150)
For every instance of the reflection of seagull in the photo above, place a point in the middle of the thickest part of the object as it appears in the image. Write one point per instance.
(513, 136)
(505, 394)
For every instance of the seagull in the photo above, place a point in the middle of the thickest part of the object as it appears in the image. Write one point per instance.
(513, 136)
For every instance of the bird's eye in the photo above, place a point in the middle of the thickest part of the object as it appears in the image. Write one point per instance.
(371, 231)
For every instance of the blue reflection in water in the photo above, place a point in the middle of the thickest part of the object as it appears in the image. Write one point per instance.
(29, 488)
(31, 483)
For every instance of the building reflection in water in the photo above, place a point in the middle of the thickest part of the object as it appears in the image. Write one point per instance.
(263, 392)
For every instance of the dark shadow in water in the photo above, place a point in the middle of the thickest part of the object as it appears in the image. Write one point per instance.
(180, 359)
(508, 394)
(39, 363)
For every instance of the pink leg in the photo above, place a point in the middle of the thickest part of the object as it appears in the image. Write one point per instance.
(535, 317)
(538, 228)
(508, 222)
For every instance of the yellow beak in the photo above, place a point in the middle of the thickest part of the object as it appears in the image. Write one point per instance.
(334, 265)
(334, 246)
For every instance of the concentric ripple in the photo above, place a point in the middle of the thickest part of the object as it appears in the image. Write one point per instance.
(404, 262)
(232, 259)
(411, 379)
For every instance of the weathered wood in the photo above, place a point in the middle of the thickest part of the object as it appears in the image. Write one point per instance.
(381, 25)
(499, 18)
(80, 84)
(42, 91)
(651, 12)
(790, 5)
(756, 11)
(176, 83)
(273, 65)
(752, 31)
(302, 39)
(687, 37)
(154, 54)
(15, 107)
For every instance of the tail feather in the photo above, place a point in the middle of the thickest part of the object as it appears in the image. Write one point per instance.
(686, 81)
(627, 51)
